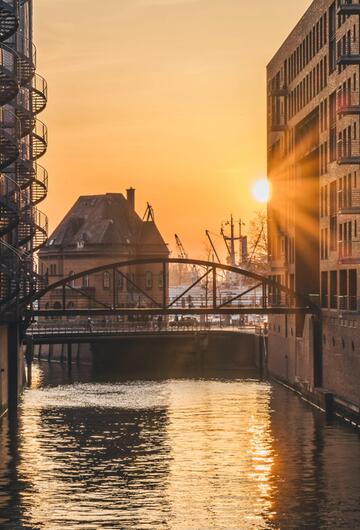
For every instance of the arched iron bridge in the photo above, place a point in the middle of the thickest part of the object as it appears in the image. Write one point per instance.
(125, 292)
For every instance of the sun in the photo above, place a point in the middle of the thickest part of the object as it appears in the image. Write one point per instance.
(261, 190)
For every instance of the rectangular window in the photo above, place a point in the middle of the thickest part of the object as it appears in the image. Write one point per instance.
(333, 289)
(343, 301)
(148, 280)
(106, 280)
(333, 233)
(324, 290)
(333, 144)
(353, 289)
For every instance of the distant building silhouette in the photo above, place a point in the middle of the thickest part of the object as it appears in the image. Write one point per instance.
(98, 230)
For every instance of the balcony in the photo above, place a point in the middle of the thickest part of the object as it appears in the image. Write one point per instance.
(348, 102)
(349, 7)
(348, 152)
(347, 303)
(349, 54)
(349, 210)
(278, 123)
(279, 91)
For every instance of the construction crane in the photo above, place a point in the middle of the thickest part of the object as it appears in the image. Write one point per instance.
(180, 248)
(212, 245)
(149, 215)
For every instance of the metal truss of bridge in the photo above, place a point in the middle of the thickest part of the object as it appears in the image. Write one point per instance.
(144, 289)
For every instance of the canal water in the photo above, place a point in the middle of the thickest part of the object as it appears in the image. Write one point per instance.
(232, 454)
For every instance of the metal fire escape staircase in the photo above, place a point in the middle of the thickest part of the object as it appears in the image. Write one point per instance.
(23, 140)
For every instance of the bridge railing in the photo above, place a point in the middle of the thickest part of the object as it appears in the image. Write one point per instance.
(96, 328)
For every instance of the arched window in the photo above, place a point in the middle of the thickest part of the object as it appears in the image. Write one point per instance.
(106, 280)
(148, 280)
(85, 281)
(161, 281)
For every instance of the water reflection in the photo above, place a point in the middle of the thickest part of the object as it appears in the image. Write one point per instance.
(316, 476)
(179, 455)
(221, 447)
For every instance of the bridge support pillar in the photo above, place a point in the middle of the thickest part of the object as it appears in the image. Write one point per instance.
(29, 355)
(69, 355)
(13, 347)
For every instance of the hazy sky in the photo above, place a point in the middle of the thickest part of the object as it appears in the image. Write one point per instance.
(167, 96)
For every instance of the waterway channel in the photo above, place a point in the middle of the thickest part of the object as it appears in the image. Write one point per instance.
(95, 453)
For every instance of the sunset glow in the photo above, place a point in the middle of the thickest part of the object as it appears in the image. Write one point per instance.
(133, 102)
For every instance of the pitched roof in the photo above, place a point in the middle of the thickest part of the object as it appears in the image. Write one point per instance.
(104, 220)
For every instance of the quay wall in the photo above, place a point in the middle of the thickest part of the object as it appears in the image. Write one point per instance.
(167, 354)
(291, 361)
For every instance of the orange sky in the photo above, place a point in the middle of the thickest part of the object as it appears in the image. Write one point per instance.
(167, 96)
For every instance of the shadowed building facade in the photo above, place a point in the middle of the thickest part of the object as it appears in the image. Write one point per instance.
(99, 230)
(314, 212)
(23, 185)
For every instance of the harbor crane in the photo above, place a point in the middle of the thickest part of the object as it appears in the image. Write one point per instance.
(230, 241)
(180, 248)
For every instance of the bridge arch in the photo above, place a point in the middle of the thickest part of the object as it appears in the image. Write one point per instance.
(259, 294)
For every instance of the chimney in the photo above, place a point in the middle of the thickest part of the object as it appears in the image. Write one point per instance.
(130, 196)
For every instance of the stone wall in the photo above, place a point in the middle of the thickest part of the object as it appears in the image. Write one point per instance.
(291, 358)
(174, 355)
(341, 347)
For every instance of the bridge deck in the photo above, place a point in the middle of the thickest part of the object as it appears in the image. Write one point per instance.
(65, 335)
(144, 311)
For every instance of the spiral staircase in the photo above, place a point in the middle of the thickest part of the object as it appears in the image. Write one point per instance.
(23, 140)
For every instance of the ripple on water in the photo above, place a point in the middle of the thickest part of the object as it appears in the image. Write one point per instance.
(179, 455)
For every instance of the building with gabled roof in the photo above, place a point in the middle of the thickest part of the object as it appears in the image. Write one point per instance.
(99, 230)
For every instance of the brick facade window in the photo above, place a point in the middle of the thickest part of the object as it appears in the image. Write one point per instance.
(106, 280)
(148, 280)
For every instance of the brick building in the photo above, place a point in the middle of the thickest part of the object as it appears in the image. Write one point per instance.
(314, 213)
(100, 230)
